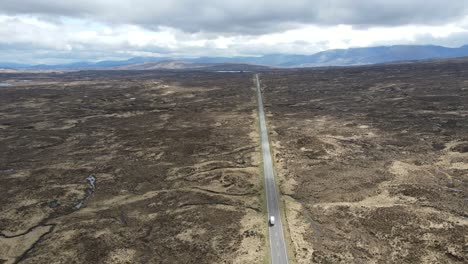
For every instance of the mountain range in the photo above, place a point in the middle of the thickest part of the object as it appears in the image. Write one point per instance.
(337, 57)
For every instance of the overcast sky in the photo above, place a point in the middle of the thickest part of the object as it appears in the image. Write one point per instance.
(57, 31)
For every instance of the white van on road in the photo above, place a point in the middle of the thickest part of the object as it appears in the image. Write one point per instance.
(272, 220)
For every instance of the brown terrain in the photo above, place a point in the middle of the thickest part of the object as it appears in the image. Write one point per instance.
(163, 166)
(130, 167)
(373, 161)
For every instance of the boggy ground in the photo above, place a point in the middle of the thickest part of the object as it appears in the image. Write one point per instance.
(174, 156)
(373, 161)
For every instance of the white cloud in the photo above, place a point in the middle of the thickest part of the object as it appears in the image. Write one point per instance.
(50, 31)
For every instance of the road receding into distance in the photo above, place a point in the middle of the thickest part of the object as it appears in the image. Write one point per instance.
(277, 244)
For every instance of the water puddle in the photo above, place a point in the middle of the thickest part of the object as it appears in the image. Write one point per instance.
(91, 180)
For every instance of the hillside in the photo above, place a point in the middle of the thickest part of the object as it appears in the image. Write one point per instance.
(337, 57)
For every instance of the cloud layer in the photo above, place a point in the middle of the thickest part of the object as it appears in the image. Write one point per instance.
(48, 30)
(246, 16)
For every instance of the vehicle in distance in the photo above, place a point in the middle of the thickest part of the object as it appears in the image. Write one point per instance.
(272, 220)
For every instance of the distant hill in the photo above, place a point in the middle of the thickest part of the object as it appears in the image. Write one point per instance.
(185, 65)
(170, 64)
(338, 57)
(360, 56)
(356, 56)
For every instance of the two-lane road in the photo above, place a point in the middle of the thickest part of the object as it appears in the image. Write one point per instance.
(277, 244)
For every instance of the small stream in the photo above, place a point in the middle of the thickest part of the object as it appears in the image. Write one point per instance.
(91, 180)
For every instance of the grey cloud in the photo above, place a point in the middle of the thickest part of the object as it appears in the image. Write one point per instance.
(27, 40)
(246, 17)
(34, 55)
(454, 40)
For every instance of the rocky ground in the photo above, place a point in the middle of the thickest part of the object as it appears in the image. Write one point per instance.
(373, 161)
(129, 167)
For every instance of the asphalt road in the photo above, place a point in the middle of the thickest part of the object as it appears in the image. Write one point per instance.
(278, 251)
